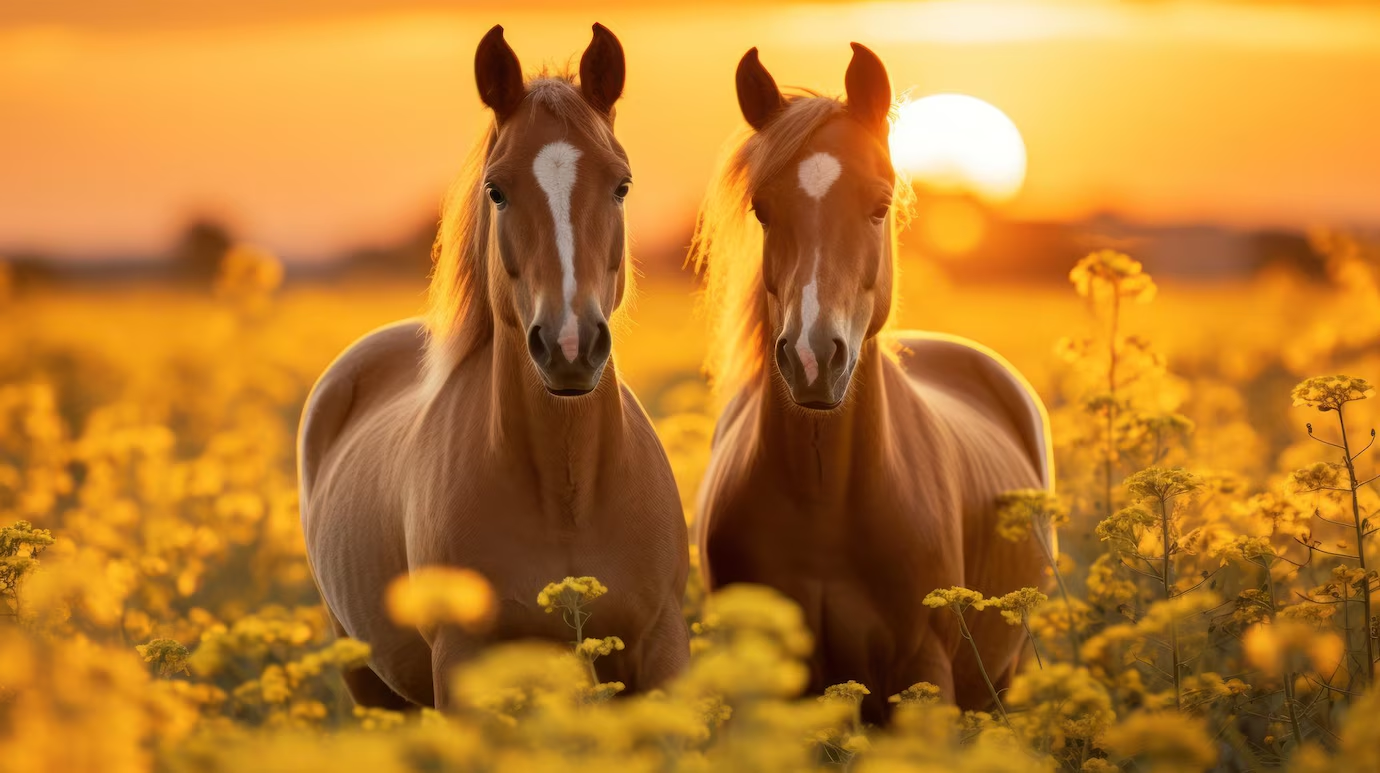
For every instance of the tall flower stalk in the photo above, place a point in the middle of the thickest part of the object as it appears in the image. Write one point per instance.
(1330, 394)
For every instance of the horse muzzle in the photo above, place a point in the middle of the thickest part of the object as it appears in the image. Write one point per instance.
(817, 374)
(571, 358)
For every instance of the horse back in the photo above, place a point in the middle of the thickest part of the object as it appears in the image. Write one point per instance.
(988, 383)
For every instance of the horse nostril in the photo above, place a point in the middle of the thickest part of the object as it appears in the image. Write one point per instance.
(603, 344)
(783, 362)
(840, 357)
(537, 347)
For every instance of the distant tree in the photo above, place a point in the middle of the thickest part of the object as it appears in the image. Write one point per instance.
(197, 257)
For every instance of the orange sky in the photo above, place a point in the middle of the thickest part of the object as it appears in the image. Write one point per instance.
(330, 125)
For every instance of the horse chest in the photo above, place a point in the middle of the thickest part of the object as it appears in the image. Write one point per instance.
(900, 538)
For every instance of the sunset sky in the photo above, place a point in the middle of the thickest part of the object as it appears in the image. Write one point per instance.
(315, 127)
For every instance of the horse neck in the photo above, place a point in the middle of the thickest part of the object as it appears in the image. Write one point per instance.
(525, 420)
(824, 452)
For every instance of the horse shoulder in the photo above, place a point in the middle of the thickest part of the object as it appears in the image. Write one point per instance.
(349, 384)
(987, 381)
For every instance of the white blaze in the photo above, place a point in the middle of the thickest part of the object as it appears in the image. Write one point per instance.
(555, 171)
(817, 175)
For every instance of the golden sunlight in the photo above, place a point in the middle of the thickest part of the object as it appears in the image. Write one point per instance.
(959, 144)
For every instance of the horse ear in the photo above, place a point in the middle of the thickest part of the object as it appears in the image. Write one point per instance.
(869, 89)
(603, 70)
(758, 96)
(498, 74)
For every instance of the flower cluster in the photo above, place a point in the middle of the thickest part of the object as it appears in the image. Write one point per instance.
(1330, 393)
(1108, 272)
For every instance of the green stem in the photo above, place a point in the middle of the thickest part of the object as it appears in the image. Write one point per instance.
(1034, 644)
(579, 640)
(1289, 700)
(1043, 540)
(1369, 669)
(963, 628)
(1167, 578)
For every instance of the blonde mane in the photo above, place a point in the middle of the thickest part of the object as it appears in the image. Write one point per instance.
(727, 245)
(459, 317)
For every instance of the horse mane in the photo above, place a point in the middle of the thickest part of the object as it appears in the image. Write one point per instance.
(727, 245)
(459, 318)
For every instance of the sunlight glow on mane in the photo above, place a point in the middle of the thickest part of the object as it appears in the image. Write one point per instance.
(727, 246)
(459, 317)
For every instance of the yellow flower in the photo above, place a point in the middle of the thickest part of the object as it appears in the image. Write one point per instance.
(1107, 273)
(1162, 483)
(956, 598)
(1162, 742)
(849, 692)
(1244, 550)
(441, 595)
(1315, 477)
(1015, 606)
(570, 593)
(1330, 393)
(919, 693)
(1018, 510)
(756, 609)
(593, 648)
(167, 655)
(1058, 702)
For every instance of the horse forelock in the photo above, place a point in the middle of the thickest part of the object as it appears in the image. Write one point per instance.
(727, 245)
(459, 317)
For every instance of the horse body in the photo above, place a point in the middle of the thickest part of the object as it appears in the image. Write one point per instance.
(854, 471)
(411, 479)
(858, 513)
(438, 442)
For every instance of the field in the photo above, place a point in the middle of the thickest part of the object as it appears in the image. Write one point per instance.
(1207, 606)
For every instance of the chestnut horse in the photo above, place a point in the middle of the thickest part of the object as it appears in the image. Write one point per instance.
(852, 469)
(495, 434)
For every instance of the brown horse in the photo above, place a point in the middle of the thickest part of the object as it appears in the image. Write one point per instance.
(495, 434)
(852, 469)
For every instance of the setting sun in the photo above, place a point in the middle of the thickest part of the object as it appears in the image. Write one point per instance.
(959, 144)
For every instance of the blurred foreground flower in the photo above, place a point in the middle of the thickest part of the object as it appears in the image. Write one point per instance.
(441, 595)
(1162, 742)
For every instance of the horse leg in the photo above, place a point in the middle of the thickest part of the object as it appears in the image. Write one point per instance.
(450, 648)
(931, 662)
(661, 654)
(365, 687)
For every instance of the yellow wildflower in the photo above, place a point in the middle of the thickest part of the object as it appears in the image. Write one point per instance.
(439, 595)
(1315, 477)
(1018, 511)
(1162, 483)
(1059, 702)
(593, 648)
(1162, 742)
(850, 692)
(920, 692)
(955, 598)
(1330, 393)
(1015, 606)
(570, 593)
(1108, 273)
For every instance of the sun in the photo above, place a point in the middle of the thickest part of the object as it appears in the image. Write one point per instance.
(955, 143)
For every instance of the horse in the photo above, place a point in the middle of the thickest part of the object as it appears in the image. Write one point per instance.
(494, 433)
(854, 468)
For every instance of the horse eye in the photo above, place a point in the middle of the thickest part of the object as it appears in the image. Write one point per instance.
(495, 195)
(879, 214)
(621, 192)
(760, 212)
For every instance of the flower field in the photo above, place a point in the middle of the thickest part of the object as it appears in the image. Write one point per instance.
(1208, 604)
